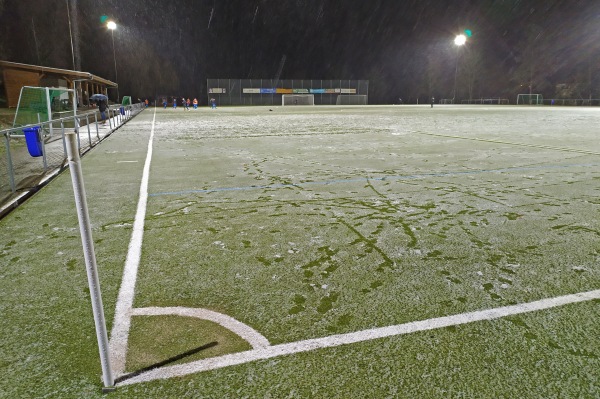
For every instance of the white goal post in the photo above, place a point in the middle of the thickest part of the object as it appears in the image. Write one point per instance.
(530, 99)
(297, 99)
(351, 99)
(43, 104)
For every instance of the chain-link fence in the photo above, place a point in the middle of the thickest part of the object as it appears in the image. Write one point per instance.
(269, 91)
(32, 154)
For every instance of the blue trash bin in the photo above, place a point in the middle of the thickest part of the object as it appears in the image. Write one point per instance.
(33, 138)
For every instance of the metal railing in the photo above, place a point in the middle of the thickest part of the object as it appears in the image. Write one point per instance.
(22, 172)
(488, 100)
(572, 101)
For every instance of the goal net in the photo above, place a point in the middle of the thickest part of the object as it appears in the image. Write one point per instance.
(42, 104)
(530, 99)
(351, 99)
(297, 99)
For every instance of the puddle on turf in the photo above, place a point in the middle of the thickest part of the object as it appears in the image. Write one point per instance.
(373, 286)
(327, 302)
(71, 264)
(299, 301)
(488, 287)
(264, 261)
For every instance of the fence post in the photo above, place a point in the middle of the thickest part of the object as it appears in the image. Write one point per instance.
(11, 173)
(87, 123)
(76, 122)
(96, 123)
(40, 132)
(62, 127)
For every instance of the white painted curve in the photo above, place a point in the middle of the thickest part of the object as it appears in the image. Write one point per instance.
(254, 338)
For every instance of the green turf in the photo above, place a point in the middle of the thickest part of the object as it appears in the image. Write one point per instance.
(173, 336)
(306, 222)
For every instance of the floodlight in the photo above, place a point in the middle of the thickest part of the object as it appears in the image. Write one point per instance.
(460, 40)
(111, 25)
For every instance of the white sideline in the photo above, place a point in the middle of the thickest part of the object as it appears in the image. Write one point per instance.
(354, 337)
(120, 331)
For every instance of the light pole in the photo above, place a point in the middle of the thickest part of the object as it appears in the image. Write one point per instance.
(458, 41)
(71, 35)
(112, 26)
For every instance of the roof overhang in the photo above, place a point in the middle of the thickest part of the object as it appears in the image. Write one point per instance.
(57, 71)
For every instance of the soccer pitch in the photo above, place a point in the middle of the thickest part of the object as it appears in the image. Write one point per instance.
(317, 252)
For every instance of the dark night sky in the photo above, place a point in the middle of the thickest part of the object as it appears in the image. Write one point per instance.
(403, 47)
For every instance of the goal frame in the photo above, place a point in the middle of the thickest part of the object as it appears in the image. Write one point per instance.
(48, 105)
(530, 99)
(353, 99)
(295, 97)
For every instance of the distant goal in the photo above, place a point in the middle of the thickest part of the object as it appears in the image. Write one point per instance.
(297, 99)
(351, 99)
(530, 99)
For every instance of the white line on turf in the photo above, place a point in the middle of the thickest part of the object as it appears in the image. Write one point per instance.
(354, 337)
(254, 338)
(124, 311)
(120, 331)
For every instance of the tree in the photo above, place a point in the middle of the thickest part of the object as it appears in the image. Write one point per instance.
(534, 55)
(474, 69)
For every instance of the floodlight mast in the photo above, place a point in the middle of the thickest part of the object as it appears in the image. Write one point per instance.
(112, 26)
(459, 41)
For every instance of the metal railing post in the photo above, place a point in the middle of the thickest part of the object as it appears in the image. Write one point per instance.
(96, 123)
(11, 173)
(40, 132)
(87, 123)
(62, 127)
(76, 122)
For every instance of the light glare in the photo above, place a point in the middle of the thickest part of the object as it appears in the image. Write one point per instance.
(111, 25)
(460, 40)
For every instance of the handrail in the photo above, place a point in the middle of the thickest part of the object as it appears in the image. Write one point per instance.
(116, 119)
(84, 115)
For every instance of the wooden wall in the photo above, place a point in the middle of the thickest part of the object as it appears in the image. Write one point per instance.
(14, 80)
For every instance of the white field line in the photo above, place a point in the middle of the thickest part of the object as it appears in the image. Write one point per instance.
(120, 331)
(354, 337)
(254, 338)
(124, 312)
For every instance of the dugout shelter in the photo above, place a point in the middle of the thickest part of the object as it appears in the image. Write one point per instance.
(15, 75)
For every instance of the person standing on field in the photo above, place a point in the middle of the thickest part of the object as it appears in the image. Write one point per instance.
(195, 103)
(174, 103)
(432, 101)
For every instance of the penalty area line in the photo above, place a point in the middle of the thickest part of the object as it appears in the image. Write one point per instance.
(356, 337)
